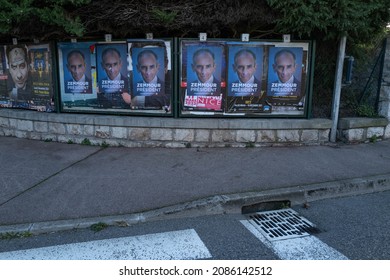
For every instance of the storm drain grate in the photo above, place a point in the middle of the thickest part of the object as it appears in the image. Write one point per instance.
(281, 224)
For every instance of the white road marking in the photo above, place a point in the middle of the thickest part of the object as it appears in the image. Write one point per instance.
(174, 245)
(302, 248)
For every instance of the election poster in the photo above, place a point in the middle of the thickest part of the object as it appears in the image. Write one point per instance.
(285, 75)
(28, 74)
(77, 74)
(245, 74)
(204, 77)
(112, 76)
(150, 75)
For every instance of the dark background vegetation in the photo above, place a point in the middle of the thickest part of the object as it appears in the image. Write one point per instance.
(364, 22)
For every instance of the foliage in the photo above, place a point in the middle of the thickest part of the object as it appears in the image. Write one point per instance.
(25, 18)
(357, 18)
(61, 19)
(86, 142)
(13, 235)
(365, 110)
(98, 226)
(183, 18)
(164, 16)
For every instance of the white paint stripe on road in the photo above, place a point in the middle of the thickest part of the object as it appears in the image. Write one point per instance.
(302, 248)
(174, 245)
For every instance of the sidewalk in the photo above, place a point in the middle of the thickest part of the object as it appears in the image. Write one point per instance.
(48, 186)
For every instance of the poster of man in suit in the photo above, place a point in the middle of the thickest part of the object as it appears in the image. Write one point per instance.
(204, 68)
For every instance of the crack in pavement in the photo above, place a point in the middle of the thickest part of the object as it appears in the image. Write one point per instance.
(51, 176)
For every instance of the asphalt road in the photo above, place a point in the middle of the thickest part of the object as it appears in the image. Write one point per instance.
(357, 227)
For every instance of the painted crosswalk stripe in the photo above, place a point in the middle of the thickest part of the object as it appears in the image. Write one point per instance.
(303, 248)
(174, 245)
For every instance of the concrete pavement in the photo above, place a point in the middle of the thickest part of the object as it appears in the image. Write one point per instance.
(47, 186)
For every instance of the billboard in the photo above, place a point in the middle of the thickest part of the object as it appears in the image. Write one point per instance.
(246, 90)
(113, 89)
(150, 74)
(263, 78)
(203, 81)
(77, 73)
(26, 77)
(118, 77)
(284, 72)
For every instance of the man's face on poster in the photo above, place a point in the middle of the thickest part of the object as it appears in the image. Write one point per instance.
(18, 67)
(245, 66)
(148, 67)
(76, 66)
(112, 64)
(204, 66)
(284, 66)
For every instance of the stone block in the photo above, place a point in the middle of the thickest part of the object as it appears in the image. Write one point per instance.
(309, 136)
(222, 136)
(49, 137)
(4, 122)
(36, 136)
(13, 123)
(75, 129)
(163, 134)
(57, 128)
(41, 127)
(25, 125)
(88, 130)
(246, 136)
(387, 132)
(324, 135)
(355, 134)
(174, 145)
(202, 135)
(184, 135)
(384, 92)
(266, 136)
(119, 132)
(7, 132)
(375, 132)
(102, 131)
(21, 134)
(287, 135)
(139, 134)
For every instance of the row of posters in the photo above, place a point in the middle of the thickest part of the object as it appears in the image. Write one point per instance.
(215, 77)
(243, 78)
(118, 76)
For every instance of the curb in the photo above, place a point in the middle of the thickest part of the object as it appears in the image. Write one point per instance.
(219, 204)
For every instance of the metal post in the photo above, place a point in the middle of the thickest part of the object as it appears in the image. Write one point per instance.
(337, 88)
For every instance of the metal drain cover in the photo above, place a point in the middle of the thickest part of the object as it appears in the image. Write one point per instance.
(281, 224)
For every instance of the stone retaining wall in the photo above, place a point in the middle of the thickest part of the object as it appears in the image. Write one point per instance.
(363, 129)
(131, 131)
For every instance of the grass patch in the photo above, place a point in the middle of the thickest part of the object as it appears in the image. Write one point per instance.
(250, 145)
(98, 227)
(13, 235)
(86, 141)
